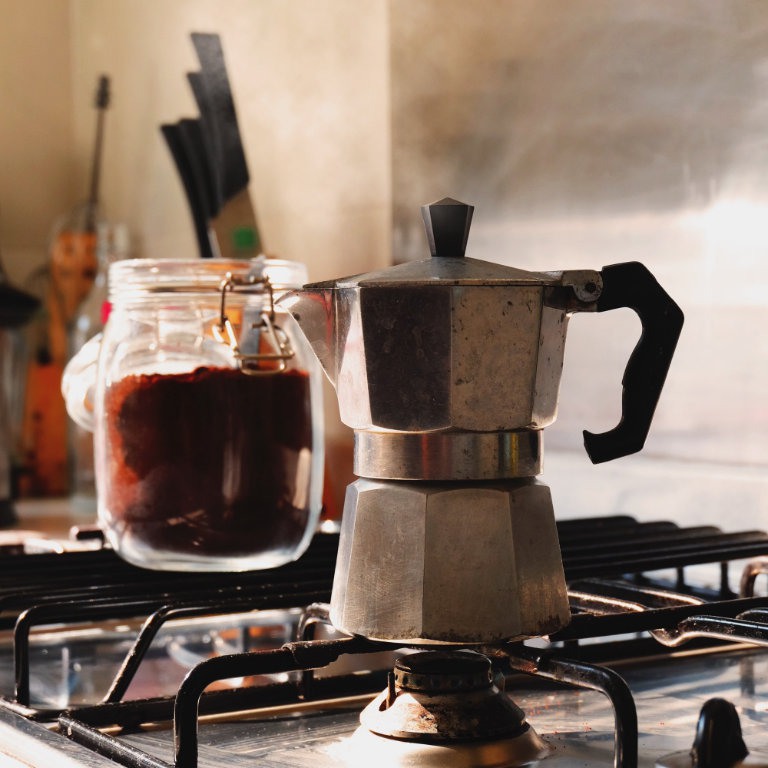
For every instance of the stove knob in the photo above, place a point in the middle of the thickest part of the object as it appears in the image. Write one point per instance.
(718, 741)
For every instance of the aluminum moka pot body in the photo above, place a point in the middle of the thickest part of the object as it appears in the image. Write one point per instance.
(443, 355)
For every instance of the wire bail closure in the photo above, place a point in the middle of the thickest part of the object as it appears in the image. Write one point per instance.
(276, 339)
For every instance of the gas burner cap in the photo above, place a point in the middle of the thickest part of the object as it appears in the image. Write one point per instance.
(443, 672)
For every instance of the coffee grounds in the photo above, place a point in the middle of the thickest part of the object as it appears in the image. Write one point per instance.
(205, 463)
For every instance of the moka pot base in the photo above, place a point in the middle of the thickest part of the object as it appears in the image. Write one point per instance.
(449, 563)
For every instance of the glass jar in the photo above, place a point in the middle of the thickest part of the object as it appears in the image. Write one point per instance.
(206, 408)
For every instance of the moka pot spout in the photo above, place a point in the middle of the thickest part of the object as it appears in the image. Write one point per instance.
(313, 309)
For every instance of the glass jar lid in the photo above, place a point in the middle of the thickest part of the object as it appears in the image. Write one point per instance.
(134, 278)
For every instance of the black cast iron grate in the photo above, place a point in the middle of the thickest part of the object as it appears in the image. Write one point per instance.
(606, 561)
(97, 586)
(91, 587)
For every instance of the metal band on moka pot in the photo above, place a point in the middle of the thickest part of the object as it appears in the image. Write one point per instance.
(448, 455)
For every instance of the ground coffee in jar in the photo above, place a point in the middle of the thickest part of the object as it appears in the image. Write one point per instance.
(209, 444)
(209, 462)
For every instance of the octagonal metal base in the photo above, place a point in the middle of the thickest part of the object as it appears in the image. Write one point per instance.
(424, 563)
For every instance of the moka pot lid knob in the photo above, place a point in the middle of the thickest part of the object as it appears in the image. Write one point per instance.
(447, 224)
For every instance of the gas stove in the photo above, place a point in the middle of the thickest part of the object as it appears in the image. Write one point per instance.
(106, 664)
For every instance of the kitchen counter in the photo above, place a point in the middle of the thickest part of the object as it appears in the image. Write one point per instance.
(51, 517)
(647, 487)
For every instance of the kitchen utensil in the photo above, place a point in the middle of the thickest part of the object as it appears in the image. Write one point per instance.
(448, 370)
(186, 156)
(217, 109)
(68, 279)
(234, 212)
(210, 158)
(113, 244)
(73, 263)
(208, 132)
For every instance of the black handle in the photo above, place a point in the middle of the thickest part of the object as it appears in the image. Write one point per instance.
(218, 108)
(632, 285)
(198, 204)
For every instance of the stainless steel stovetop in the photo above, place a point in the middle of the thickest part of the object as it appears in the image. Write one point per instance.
(652, 638)
(578, 725)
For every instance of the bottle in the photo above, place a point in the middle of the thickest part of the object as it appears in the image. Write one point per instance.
(113, 244)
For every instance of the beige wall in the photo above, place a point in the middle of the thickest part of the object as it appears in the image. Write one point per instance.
(36, 183)
(311, 84)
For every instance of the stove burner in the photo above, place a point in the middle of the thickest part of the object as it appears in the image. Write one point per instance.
(443, 672)
(439, 696)
(442, 708)
(619, 605)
